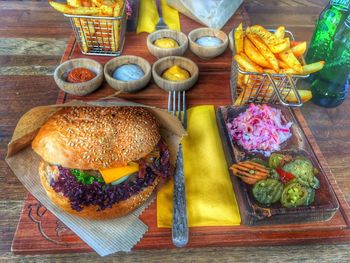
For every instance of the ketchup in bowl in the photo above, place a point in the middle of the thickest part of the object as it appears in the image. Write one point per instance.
(79, 75)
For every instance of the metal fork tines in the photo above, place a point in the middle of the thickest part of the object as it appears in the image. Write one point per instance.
(161, 24)
(177, 105)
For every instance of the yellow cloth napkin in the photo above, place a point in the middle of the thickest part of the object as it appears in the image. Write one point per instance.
(148, 16)
(209, 192)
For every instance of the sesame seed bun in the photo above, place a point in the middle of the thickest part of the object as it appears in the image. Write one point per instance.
(119, 209)
(92, 138)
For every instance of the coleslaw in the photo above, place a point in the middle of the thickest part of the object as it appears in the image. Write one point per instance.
(260, 129)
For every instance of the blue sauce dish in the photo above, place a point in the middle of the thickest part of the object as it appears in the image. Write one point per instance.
(128, 72)
(208, 41)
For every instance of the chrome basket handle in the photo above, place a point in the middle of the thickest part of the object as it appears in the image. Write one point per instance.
(280, 96)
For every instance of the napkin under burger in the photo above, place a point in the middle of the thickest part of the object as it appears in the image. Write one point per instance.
(101, 162)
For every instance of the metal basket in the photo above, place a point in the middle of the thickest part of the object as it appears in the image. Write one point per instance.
(99, 35)
(265, 87)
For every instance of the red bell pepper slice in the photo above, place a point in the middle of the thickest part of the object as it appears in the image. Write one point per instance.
(285, 177)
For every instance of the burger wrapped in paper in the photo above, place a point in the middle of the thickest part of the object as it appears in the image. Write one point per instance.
(101, 162)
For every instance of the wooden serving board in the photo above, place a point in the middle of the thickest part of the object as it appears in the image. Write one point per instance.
(39, 231)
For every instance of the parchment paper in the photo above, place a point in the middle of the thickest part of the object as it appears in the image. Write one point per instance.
(213, 14)
(106, 236)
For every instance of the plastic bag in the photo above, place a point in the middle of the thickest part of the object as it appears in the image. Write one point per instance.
(212, 13)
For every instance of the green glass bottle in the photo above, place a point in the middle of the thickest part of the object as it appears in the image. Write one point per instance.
(330, 86)
(330, 19)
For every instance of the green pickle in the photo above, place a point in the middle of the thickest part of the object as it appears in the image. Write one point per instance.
(267, 191)
(310, 196)
(295, 194)
(303, 170)
(273, 174)
(275, 160)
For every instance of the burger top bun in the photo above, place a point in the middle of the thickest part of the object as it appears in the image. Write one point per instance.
(92, 138)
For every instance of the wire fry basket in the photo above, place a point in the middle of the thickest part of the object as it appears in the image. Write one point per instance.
(252, 87)
(99, 35)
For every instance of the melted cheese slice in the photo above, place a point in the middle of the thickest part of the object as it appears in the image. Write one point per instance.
(113, 174)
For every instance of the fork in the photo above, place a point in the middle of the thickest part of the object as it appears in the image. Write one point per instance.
(177, 105)
(161, 24)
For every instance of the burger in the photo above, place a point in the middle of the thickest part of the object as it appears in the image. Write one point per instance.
(101, 162)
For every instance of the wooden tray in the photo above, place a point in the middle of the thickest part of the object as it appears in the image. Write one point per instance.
(38, 231)
(252, 212)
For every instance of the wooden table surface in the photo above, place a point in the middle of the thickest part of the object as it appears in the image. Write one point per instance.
(33, 38)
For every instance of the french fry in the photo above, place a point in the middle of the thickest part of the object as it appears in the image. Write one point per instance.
(239, 100)
(260, 55)
(280, 47)
(74, 3)
(238, 35)
(289, 58)
(275, 44)
(264, 50)
(247, 64)
(295, 43)
(85, 11)
(244, 95)
(246, 79)
(271, 71)
(240, 79)
(109, 2)
(282, 64)
(116, 13)
(253, 53)
(86, 3)
(288, 71)
(97, 3)
(63, 8)
(118, 8)
(106, 10)
(299, 49)
(279, 33)
(265, 35)
(74, 10)
(305, 96)
(314, 67)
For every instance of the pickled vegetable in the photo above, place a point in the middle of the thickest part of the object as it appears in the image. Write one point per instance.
(273, 174)
(310, 196)
(303, 170)
(285, 177)
(294, 194)
(275, 160)
(250, 172)
(267, 191)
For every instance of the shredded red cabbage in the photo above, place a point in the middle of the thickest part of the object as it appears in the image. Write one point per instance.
(260, 128)
(106, 195)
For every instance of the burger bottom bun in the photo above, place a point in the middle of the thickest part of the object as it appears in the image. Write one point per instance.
(119, 209)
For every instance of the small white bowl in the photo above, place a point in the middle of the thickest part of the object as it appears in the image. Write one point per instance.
(158, 52)
(82, 88)
(207, 52)
(127, 86)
